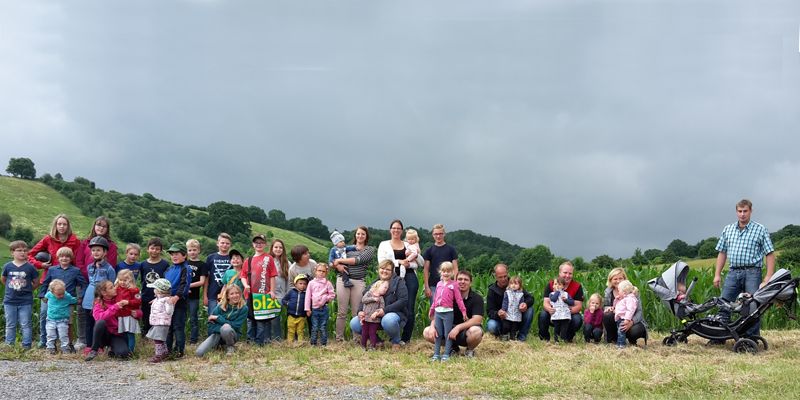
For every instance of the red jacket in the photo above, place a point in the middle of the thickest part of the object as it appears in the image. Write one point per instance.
(133, 297)
(51, 245)
(83, 258)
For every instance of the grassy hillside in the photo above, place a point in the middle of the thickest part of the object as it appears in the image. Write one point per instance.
(33, 204)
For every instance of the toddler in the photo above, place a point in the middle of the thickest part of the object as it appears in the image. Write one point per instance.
(561, 302)
(372, 302)
(447, 295)
(160, 317)
(412, 251)
(127, 321)
(511, 300)
(624, 307)
(318, 295)
(59, 305)
(294, 301)
(681, 292)
(339, 250)
(593, 319)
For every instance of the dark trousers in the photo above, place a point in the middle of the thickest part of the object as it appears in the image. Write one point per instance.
(511, 328)
(145, 317)
(89, 327)
(412, 285)
(194, 326)
(101, 337)
(592, 334)
(177, 328)
(637, 331)
(568, 334)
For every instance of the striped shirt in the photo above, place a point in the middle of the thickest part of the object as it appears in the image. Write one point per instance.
(745, 247)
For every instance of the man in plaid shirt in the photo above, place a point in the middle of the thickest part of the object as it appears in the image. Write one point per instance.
(745, 244)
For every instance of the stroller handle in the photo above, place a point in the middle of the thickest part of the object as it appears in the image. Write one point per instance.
(689, 290)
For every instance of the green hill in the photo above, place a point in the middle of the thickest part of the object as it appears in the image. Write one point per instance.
(33, 204)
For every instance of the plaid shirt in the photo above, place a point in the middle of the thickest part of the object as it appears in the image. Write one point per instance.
(745, 247)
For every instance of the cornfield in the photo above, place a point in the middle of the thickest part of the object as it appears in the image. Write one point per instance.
(657, 316)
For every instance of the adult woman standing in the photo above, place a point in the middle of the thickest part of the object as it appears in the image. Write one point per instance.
(278, 253)
(637, 327)
(393, 314)
(394, 250)
(60, 236)
(356, 263)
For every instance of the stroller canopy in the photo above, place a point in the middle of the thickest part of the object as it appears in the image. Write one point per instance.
(776, 288)
(666, 286)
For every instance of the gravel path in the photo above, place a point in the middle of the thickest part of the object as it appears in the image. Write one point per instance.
(70, 379)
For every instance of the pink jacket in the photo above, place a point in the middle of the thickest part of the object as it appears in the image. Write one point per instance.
(446, 293)
(108, 313)
(161, 311)
(319, 292)
(625, 307)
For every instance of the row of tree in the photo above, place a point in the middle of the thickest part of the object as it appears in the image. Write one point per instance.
(146, 216)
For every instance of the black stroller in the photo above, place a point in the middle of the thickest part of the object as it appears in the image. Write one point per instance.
(781, 288)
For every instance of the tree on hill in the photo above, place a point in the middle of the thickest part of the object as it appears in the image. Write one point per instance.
(786, 232)
(533, 259)
(22, 233)
(21, 168)
(225, 217)
(604, 261)
(638, 257)
(707, 248)
(681, 249)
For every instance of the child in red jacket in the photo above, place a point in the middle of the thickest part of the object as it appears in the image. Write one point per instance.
(128, 315)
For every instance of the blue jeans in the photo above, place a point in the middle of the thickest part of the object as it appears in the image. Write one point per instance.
(494, 326)
(194, 328)
(736, 282)
(319, 325)
(19, 315)
(212, 304)
(42, 322)
(621, 339)
(177, 329)
(444, 323)
(412, 284)
(57, 330)
(390, 323)
(544, 326)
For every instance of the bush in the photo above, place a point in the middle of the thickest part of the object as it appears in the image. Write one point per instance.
(5, 224)
(22, 233)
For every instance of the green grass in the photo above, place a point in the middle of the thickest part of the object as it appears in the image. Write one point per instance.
(291, 238)
(501, 369)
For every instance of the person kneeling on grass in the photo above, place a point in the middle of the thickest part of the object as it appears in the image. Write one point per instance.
(225, 322)
(467, 333)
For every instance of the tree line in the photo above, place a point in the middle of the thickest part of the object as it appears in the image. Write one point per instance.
(139, 217)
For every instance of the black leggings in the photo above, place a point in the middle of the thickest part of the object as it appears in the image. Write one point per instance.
(637, 331)
(102, 338)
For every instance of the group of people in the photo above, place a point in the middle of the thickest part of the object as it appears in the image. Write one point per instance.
(252, 291)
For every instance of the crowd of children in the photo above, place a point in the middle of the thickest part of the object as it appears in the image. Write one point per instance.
(112, 310)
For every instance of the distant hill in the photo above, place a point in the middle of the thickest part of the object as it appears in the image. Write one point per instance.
(33, 204)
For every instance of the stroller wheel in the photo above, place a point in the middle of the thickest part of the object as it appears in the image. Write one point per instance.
(760, 341)
(669, 341)
(745, 345)
(682, 339)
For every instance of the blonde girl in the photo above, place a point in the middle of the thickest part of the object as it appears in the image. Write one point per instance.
(593, 319)
(160, 318)
(624, 307)
(442, 306)
(129, 315)
(225, 322)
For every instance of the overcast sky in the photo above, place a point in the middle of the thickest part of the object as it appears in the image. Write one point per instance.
(588, 126)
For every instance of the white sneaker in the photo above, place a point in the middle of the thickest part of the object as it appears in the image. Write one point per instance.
(79, 346)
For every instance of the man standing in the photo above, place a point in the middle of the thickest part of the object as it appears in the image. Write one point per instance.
(745, 243)
(575, 291)
(434, 256)
(464, 333)
(494, 304)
